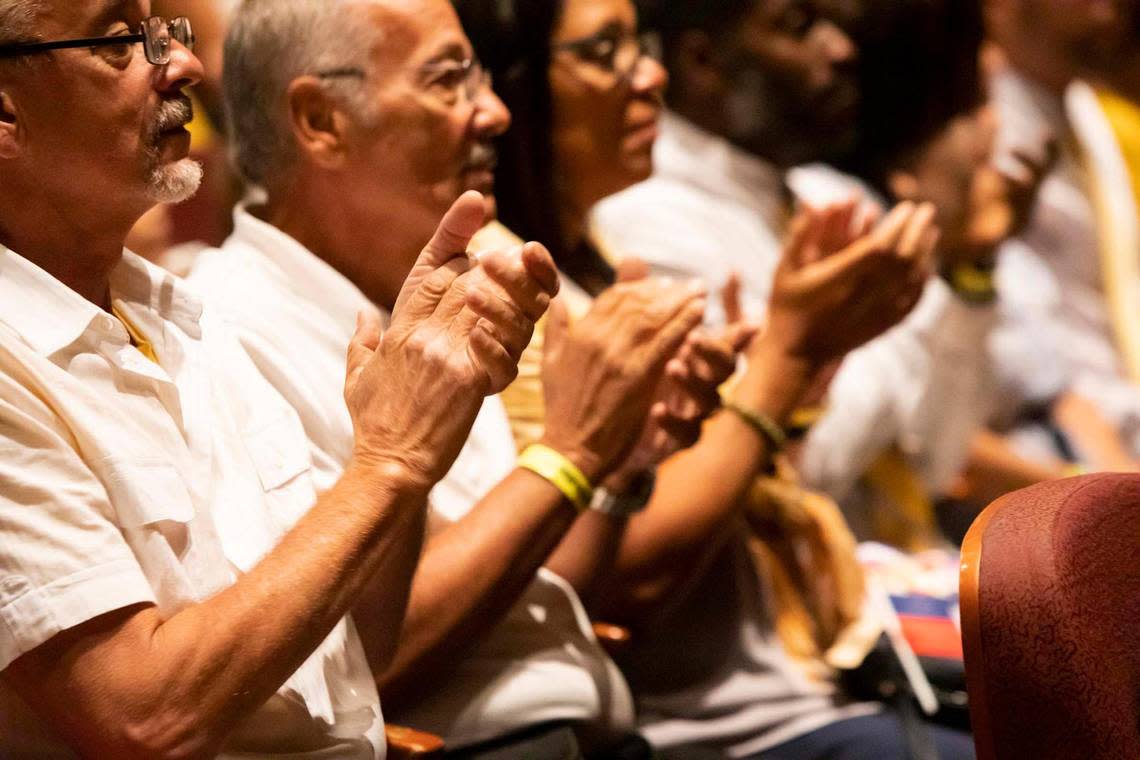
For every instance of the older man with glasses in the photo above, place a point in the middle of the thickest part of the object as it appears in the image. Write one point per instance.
(361, 120)
(171, 585)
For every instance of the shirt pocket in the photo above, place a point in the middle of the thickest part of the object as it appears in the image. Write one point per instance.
(280, 452)
(148, 492)
(282, 457)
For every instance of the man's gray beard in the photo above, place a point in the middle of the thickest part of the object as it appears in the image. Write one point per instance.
(174, 183)
(178, 181)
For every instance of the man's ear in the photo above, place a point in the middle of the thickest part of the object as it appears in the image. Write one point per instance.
(9, 128)
(903, 185)
(319, 122)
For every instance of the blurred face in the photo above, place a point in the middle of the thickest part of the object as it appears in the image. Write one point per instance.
(101, 126)
(606, 98)
(955, 172)
(790, 83)
(1080, 29)
(1059, 39)
(435, 118)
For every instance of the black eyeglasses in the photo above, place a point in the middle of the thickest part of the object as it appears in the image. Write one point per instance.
(156, 34)
(618, 54)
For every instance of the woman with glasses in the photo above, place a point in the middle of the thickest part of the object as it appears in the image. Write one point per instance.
(699, 565)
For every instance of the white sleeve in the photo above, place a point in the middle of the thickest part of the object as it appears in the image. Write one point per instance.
(64, 560)
(924, 386)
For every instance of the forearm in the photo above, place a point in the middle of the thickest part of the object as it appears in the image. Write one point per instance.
(471, 573)
(179, 686)
(700, 490)
(1096, 439)
(587, 552)
(995, 469)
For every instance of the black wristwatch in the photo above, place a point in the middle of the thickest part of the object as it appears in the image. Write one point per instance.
(626, 504)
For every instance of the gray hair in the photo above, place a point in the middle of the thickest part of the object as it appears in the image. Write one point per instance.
(18, 20)
(271, 43)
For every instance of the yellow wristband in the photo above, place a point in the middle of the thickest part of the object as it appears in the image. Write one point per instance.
(974, 284)
(560, 471)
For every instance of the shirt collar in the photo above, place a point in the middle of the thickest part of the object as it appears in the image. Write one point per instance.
(50, 316)
(308, 276)
(698, 157)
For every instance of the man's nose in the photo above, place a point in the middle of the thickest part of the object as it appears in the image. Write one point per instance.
(492, 118)
(184, 69)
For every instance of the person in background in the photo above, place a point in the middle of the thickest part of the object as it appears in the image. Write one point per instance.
(925, 133)
(375, 122)
(586, 98)
(1069, 351)
(174, 585)
(757, 89)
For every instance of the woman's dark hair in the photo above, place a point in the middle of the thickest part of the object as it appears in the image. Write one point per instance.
(512, 40)
(918, 70)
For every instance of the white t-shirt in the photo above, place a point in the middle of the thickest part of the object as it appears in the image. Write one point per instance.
(127, 482)
(729, 683)
(295, 315)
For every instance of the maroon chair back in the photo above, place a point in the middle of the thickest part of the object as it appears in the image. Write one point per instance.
(1050, 593)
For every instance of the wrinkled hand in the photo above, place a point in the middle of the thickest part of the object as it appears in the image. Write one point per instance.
(600, 375)
(838, 285)
(457, 332)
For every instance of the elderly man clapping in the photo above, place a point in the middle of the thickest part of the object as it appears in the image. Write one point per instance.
(172, 583)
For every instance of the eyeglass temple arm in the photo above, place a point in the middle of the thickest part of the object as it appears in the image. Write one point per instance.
(14, 51)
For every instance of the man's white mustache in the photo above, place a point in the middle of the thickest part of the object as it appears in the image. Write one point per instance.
(174, 113)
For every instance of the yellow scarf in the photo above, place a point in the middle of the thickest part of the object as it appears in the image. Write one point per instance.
(1120, 260)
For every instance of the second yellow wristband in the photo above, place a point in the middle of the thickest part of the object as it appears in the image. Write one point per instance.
(560, 471)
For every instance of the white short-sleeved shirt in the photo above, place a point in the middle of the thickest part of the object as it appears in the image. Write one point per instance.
(127, 482)
(295, 315)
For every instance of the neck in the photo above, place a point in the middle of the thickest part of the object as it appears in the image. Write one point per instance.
(706, 113)
(339, 237)
(580, 263)
(1045, 69)
(573, 228)
(78, 246)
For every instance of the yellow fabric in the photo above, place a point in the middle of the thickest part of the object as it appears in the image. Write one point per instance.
(145, 347)
(798, 538)
(1120, 262)
(560, 471)
(803, 545)
(202, 134)
(904, 514)
(1124, 116)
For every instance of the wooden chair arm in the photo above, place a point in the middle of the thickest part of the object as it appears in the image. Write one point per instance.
(614, 638)
(407, 743)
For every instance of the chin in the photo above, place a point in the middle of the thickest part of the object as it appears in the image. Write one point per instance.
(637, 169)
